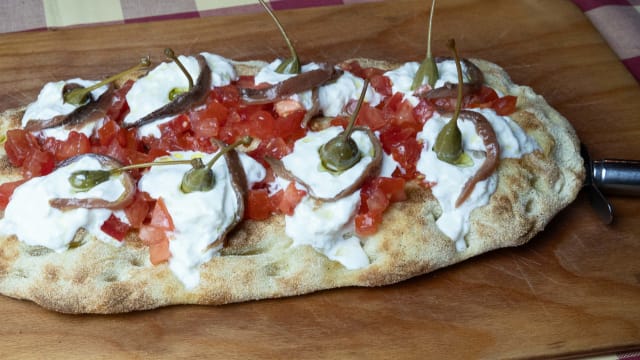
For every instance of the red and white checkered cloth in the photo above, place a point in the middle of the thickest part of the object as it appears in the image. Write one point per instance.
(619, 23)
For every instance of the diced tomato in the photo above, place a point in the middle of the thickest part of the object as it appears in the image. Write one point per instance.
(481, 99)
(371, 117)
(258, 205)
(115, 228)
(107, 132)
(402, 145)
(6, 190)
(76, 144)
(207, 122)
(139, 209)
(366, 224)
(151, 234)
(289, 127)
(38, 163)
(423, 111)
(260, 124)
(382, 85)
(160, 217)
(356, 69)
(274, 147)
(375, 197)
(119, 106)
(158, 243)
(505, 105)
(159, 252)
(19, 145)
(155, 234)
(290, 199)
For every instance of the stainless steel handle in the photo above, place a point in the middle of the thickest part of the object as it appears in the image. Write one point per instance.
(620, 177)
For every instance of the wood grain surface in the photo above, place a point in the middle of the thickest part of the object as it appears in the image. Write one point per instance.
(574, 290)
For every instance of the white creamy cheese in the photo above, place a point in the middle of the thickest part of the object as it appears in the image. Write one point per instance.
(449, 179)
(151, 92)
(328, 228)
(334, 96)
(304, 162)
(50, 103)
(30, 217)
(402, 77)
(200, 218)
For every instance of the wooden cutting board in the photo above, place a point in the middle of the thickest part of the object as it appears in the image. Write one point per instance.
(573, 290)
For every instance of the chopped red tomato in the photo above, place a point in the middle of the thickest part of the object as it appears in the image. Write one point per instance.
(76, 144)
(207, 122)
(402, 145)
(38, 163)
(158, 243)
(505, 105)
(375, 197)
(379, 82)
(290, 199)
(289, 127)
(139, 209)
(119, 106)
(258, 205)
(155, 234)
(115, 228)
(274, 147)
(159, 252)
(6, 190)
(370, 117)
(19, 145)
(160, 216)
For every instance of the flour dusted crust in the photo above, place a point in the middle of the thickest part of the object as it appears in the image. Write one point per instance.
(259, 262)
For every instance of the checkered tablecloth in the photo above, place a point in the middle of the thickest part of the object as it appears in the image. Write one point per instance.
(617, 20)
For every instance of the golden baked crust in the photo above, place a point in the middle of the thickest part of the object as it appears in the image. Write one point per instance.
(259, 261)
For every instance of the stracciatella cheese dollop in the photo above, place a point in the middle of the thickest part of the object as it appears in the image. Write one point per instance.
(305, 163)
(328, 227)
(199, 217)
(30, 217)
(151, 92)
(402, 77)
(334, 96)
(449, 179)
(50, 103)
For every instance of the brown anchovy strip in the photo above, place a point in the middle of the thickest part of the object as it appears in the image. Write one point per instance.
(492, 147)
(93, 111)
(95, 203)
(373, 169)
(240, 187)
(449, 90)
(301, 82)
(183, 102)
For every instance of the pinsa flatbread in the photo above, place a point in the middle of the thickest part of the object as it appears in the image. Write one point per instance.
(281, 248)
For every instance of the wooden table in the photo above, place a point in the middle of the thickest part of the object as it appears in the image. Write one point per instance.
(573, 290)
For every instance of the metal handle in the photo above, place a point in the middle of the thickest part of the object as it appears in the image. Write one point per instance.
(621, 177)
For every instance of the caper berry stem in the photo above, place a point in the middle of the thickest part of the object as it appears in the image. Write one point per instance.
(85, 180)
(292, 64)
(168, 52)
(78, 96)
(452, 46)
(428, 67)
(346, 134)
